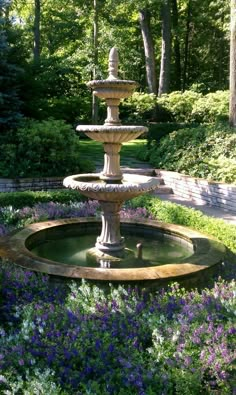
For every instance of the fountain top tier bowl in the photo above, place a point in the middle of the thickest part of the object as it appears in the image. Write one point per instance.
(112, 87)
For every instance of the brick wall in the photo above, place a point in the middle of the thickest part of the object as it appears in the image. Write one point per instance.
(215, 194)
(32, 184)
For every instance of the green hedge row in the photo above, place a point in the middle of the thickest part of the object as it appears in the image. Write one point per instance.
(188, 106)
(206, 151)
(30, 198)
(181, 215)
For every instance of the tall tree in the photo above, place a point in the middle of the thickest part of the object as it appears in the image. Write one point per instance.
(150, 63)
(232, 106)
(164, 80)
(95, 59)
(186, 45)
(176, 46)
(37, 17)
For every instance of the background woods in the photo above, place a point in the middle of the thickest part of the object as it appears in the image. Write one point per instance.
(166, 45)
(177, 50)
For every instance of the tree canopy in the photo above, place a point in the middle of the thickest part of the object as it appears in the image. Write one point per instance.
(166, 44)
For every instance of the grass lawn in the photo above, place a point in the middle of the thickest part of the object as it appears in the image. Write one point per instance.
(93, 150)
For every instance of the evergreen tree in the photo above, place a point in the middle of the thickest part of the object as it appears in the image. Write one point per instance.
(9, 101)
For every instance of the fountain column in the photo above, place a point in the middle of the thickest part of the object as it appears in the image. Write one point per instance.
(110, 238)
(111, 171)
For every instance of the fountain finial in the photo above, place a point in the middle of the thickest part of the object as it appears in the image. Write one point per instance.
(113, 64)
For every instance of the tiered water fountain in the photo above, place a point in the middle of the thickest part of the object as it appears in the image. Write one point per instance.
(66, 247)
(110, 187)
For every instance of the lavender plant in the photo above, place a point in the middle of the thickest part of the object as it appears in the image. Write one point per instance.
(123, 341)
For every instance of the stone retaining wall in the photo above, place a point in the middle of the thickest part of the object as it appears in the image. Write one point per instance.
(32, 184)
(215, 194)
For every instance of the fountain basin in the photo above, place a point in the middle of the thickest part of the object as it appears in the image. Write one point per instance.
(112, 134)
(205, 253)
(112, 88)
(92, 186)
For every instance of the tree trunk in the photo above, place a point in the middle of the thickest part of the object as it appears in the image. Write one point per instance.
(186, 46)
(95, 60)
(177, 57)
(144, 19)
(164, 80)
(37, 14)
(232, 80)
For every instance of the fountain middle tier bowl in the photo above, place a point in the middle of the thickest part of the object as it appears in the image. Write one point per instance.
(93, 187)
(112, 88)
(112, 134)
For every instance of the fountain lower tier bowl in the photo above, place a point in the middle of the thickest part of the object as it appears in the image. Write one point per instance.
(196, 256)
(112, 134)
(93, 187)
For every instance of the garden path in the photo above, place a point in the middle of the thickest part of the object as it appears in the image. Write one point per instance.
(227, 216)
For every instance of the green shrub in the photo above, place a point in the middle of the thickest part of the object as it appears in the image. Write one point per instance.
(47, 148)
(181, 107)
(141, 107)
(158, 130)
(203, 151)
(211, 107)
(179, 104)
(30, 198)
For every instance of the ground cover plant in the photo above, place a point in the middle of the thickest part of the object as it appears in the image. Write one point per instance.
(207, 151)
(81, 339)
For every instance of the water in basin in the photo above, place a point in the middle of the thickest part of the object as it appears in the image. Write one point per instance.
(156, 251)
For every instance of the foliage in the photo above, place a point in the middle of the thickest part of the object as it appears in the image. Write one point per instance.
(177, 107)
(203, 151)
(57, 89)
(47, 148)
(158, 130)
(211, 107)
(67, 58)
(11, 217)
(30, 198)
(179, 104)
(141, 107)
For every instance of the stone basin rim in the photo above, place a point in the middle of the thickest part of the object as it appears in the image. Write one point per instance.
(111, 128)
(109, 83)
(133, 183)
(13, 247)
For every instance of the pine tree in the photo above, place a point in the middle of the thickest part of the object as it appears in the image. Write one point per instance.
(9, 101)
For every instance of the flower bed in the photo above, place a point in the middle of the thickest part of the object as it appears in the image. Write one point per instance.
(56, 340)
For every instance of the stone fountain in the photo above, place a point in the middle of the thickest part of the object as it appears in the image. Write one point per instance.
(110, 187)
(46, 246)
